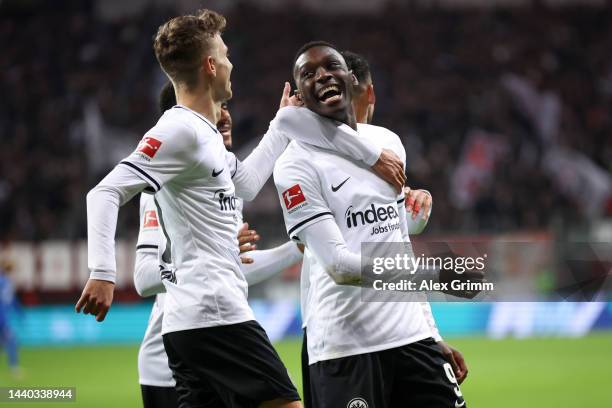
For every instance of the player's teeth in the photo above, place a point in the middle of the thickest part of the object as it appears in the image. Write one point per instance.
(328, 88)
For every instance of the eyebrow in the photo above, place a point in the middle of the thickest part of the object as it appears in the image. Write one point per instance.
(327, 58)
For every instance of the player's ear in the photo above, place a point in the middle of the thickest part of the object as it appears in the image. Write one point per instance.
(354, 80)
(371, 94)
(209, 66)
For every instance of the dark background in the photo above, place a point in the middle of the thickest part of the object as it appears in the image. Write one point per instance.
(505, 112)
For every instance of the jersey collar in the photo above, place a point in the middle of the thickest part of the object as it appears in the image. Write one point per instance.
(208, 122)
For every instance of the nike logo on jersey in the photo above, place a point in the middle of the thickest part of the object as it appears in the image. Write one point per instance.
(216, 173)
(336, 188)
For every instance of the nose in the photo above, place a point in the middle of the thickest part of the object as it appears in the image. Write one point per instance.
(322, 75)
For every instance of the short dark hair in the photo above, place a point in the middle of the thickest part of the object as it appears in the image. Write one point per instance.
(167, 98)
(181, 42)
(309, 45)
(359, 65)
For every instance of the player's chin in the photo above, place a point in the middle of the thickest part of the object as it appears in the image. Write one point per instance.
(228, 91)
(331, 110)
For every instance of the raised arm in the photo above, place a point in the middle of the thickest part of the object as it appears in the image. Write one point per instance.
(303, 125)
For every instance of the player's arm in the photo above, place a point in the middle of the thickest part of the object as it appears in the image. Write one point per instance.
(166, 151)
(324, 239)
(147, 277)
(309, 220)
(250, 175)
(268, 263)
(103, 203)
(303, 125)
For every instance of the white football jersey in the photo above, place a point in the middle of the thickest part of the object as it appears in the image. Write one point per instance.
(153, 366)
(184, 154)
(314, 184)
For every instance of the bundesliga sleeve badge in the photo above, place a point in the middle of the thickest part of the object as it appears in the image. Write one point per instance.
(294, 198)
(150, 219)
(148, 146)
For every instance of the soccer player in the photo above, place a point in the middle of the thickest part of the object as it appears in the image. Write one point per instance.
(360, 353)
(218, 353)
(364, 100)
(417, 202)
(155, 377)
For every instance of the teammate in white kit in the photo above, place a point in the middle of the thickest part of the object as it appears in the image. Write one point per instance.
(155, 377)
(361, 354)
(218, 353)
(417, 201)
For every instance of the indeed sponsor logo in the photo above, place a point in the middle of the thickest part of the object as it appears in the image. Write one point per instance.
(227, 202)
(370, 215)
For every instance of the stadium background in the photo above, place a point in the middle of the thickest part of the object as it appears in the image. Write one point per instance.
(504, 107)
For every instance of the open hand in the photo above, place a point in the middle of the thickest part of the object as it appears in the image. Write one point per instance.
(289, 100)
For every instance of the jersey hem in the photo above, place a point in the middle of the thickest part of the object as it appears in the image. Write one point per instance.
(364, 350)
(164, 384)
(206, 325)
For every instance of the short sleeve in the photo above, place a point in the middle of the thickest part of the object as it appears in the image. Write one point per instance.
(167, 150)
(150, 230)
(299, 191)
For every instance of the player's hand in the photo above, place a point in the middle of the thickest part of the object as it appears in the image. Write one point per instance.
(246, 260)
(446, 276)
(246, 242)
(289, 100)
(456, 360)
(390, 168)
(417, 200)
(247, 238)
(472, 276)
(96, 298)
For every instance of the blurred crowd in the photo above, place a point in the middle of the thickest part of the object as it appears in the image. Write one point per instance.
(505, 114)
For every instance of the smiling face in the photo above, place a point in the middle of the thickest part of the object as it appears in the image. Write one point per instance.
(324, 82)
(224, 126)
